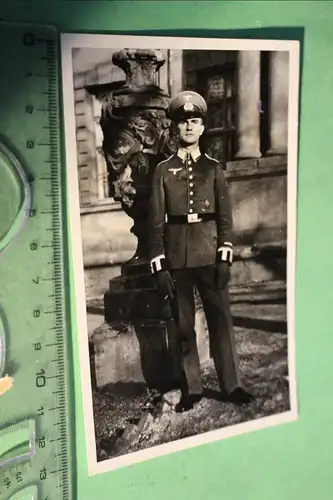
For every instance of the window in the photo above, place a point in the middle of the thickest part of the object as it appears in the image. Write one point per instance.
(214, 76)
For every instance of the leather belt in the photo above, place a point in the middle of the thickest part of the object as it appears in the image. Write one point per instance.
(190, 218)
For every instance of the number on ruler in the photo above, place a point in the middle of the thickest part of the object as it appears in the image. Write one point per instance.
(41, 442)
(30, 144)
(40, 378)
(33, 246)
(38, 346)
(28, 39)
(43, 474)
(29, 108)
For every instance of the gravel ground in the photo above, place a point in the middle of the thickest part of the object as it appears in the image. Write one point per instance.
(139, 419)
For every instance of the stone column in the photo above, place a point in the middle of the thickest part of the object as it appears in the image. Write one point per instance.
(175, 72)
(278, 102)
(248, 126)
(100, 161)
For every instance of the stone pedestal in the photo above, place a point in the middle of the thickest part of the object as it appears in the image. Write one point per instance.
(132, 298)
(128, 352)
(134, 308)
(135, 344)
(141, 352)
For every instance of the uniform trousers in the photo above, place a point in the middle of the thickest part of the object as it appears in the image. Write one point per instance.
(216, 307)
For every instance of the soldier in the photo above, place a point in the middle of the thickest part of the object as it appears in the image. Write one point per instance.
(191, 245)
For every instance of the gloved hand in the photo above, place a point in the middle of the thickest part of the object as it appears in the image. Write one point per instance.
(222, 275)
(165, 283)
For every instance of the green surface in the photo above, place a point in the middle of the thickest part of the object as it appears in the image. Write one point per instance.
(2, 345)
(10, 198)
(29, 493)
(292, 461)
(14, 194)
(17, 442)
(32, 291)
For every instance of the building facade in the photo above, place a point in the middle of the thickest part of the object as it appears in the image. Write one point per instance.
(247, 128)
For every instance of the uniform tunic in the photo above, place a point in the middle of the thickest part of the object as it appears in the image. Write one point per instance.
(192, 187)
(196, 188)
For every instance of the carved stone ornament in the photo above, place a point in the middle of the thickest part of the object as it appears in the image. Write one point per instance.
(136, 136)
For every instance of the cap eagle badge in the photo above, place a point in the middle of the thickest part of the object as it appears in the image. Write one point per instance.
(188, 106)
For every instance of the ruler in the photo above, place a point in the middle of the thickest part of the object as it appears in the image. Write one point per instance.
(35, 392)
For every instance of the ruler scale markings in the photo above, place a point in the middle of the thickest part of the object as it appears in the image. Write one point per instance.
(53, 306)
(57, 268)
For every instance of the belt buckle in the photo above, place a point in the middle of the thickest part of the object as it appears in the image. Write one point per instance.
(191, 218)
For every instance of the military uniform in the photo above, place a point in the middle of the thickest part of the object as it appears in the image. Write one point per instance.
(190, 234)
(190, 211)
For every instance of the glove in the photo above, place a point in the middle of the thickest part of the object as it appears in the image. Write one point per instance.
(165, 283)
(222, 275)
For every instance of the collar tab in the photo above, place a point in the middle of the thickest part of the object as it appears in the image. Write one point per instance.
(195, 154)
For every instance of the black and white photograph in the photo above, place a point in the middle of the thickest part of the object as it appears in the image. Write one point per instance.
(182, 191)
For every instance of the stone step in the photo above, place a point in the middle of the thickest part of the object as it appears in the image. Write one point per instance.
(265, 311)
(259, 293)
(267, 317)
(139, 352)
(271, 317)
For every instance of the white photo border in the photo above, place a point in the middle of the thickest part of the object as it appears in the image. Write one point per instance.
(94, 41)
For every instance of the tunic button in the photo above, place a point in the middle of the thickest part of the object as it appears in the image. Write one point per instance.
(191, 185)
(190, 177)
(191, 201)
(190, 169)
(191, 210)
(191, 193)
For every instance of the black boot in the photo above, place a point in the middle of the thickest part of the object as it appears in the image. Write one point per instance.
(240, 396)
(187, 402)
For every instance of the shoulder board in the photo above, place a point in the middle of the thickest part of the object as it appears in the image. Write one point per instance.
(164, 161)
(210, 158)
